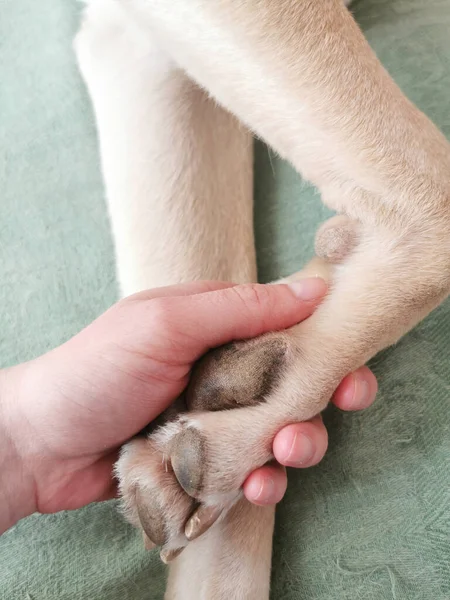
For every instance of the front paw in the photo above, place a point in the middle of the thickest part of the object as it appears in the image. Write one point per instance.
(184, 476)
(170, 479)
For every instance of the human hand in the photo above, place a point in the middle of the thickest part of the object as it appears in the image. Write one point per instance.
(68, 412)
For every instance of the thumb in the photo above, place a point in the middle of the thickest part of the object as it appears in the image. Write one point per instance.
(243, 311)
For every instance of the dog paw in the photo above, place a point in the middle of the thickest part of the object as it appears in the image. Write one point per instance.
(181, 478)
(165, 477)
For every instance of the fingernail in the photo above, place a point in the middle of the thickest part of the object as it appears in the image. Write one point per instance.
(308, 289)
(301, 451)
(264, 491)
(360, 394)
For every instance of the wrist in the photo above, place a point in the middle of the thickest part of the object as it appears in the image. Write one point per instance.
(17, 497)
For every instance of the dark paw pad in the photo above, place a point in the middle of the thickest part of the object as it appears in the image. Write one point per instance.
(237, 374)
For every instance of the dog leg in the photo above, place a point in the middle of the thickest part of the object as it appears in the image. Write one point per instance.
(303, 77)
(178, 173)
(177, 168)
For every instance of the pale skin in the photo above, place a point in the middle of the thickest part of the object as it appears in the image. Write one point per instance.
(65, 414)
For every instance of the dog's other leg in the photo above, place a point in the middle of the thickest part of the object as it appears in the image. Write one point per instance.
(178, 173)
(177, 168)
(301, 75)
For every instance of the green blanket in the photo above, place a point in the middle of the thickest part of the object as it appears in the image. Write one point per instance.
(372, 522)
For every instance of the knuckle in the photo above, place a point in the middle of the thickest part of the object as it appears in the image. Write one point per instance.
(160, 315)
(256, 298)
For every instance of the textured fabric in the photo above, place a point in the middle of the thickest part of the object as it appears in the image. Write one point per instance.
(372, 522)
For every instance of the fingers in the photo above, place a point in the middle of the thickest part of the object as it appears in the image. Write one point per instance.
(301, 444)
(304, 444)
(266, 485)
(245, 311)
(356, 391)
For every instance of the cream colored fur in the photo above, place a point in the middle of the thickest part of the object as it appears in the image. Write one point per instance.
(178, 174)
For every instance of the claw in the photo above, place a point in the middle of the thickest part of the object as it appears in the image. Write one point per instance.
(201, 521)
(168, 555)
